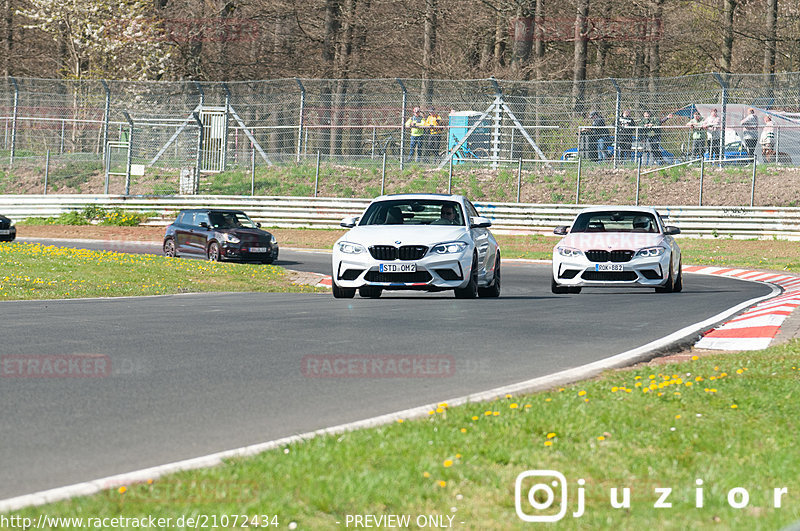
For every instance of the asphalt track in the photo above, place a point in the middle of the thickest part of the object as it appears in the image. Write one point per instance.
(196, 374)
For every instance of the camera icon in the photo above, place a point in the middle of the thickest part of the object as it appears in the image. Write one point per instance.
(543, 489)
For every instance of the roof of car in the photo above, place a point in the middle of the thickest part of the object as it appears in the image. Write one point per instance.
(452, 197)
(612, 208)
(211, 210)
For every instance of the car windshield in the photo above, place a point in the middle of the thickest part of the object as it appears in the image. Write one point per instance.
(414, 212)
(231, 220)
(615, 221)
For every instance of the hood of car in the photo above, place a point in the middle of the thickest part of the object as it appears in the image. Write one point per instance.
(586, 241)
(404, 234)
(242, 231)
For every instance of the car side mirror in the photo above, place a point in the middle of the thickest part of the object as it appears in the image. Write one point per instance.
(561, 230)
(258, 224)
(204, 224)
(349, 222)
(479, 222)
(671, 230)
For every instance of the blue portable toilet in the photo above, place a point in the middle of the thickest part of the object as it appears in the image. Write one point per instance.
(460, 123)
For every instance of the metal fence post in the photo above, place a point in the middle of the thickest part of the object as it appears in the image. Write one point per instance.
(46, 170)
(383, 173)
(753, 186)
(638, 178)
(106, 114)
(616, 120)
(61, 139)
(300, 119)
(724, 86)
(199, 157)
(14, 122)
(402, 121)
(228, 98)
(130, 153)
(253, 172)
(316, 176)
(578, 185)
(702, 173)
(450, 177)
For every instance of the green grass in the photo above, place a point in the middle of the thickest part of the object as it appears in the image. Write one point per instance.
(34, 271)
(729, 420)
(93, 214)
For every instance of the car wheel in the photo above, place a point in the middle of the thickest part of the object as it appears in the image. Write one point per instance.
(169, 248)
(557, 289)
(342, 293)
(667, 287)
(470, 291)
(677, 286)
(370, 292)
(493, 290)
(213, 252)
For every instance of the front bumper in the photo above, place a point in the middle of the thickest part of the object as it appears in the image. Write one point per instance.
(8, 235)
(230, 251)
(646, 272)
(433, 272)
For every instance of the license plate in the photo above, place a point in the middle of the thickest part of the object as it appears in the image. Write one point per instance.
(5, 231)
(258, 249)
(398, 268)
(608, 267)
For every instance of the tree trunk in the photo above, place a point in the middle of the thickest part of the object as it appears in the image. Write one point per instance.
(579, 63)
(8, 37)
(538, 39)
(331, 32)
(428, 49)
(522, 31)
(728, 12)
(499, 40)
(654, 36)
(771, 37)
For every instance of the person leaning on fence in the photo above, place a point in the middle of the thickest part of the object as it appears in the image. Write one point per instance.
(767, 140)
(652, 137)
(625, 135)
(417, 125)
(750, 132)
(434, 134)
(713, 127)
(597, 135)
(698, 136)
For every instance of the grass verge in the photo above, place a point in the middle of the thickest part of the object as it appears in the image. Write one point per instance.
(729, 420)
(34, 271)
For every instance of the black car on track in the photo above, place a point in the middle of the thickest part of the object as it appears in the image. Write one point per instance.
(219, 234)
(8, 232)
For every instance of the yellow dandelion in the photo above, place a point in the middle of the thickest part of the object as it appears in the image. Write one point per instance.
(399, 421)
(448, 463)
(548, 399)
(551, 435)
(458, 456)
(601, 438)
(581, 393)
(496, 413)
(488, 413)
(734, 406)
(548, 443)
(426, 474)
(439, 410)
(475, 417)
(463, 430)
(123, 490)
(695, 358)
(442, 483)
(514, 406)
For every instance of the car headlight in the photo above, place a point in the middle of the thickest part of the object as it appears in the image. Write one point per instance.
(651, 251)
(272, 239)
(229, 238)
(569, 251)
(449, 248)
(351, 248)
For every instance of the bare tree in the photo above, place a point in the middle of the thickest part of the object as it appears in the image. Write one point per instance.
(728, 13)
(580, 55)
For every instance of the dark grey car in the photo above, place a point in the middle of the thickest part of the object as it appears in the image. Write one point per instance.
(8, 232)
(219, 234)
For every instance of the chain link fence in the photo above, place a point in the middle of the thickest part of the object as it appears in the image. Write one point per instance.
(497, 140)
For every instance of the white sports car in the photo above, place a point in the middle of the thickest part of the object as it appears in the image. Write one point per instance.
(428, 242)
(617, 246)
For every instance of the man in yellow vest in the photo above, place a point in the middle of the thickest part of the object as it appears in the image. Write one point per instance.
(417, 125)
(434, 135)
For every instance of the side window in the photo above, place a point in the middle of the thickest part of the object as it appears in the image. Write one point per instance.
(186, 218)
(471, 210)
(201, 217)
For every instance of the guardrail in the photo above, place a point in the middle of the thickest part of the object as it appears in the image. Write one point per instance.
(287, 212)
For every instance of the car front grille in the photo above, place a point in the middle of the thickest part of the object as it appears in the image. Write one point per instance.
(609, 256)
(448, 274)
(405, 278)
(351, 274)
(390, 252)
(4, 224)
(610, 276)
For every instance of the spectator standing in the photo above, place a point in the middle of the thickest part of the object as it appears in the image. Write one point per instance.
(417, 125)
(434, 134)
(698, 136)
(652, 137)
(598, 137)
(626, 125)
(750, 132)
(767, 140)
(713, 127)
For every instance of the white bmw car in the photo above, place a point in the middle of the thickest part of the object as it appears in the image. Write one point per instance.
(617, 246)
(427, 242)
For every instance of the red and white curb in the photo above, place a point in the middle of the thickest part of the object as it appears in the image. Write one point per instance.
(325, 282)
(757, 327)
